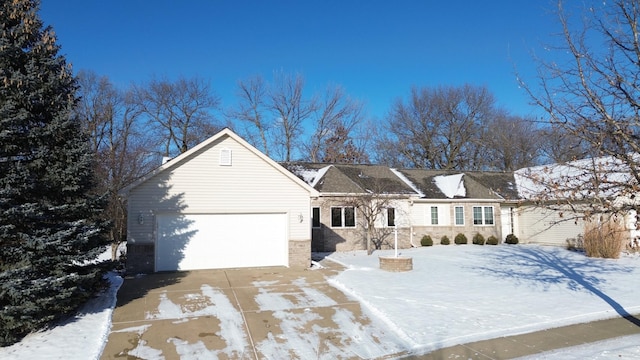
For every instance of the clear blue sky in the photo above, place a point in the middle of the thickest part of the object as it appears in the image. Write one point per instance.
(377, 50)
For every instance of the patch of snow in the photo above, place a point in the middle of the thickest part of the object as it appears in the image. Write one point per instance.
(302, 334)
(408, 182)
(451, 185)
(142, 351)
(210, 302)
(80, 337)
(561, 180)
(269, 300)
(310, 176)
(194, 351)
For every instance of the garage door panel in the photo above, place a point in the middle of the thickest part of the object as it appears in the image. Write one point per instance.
(214, 241)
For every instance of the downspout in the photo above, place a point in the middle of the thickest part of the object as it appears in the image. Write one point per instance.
(411, 227)
(411, 237)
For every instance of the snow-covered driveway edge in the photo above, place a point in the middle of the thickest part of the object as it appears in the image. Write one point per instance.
(110, 298)
(82, 336)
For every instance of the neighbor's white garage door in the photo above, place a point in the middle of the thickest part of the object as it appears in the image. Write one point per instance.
(190, 242)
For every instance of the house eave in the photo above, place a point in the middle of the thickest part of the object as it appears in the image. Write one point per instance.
(124, 192)
(346, 195)
(457, 200)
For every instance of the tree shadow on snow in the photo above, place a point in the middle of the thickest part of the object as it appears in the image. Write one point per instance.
(557, 266)
(170, 233)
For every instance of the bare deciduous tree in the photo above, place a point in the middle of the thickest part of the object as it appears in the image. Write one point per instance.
(372, 211)
(279, 114)
(340, 148)
(290, 109)
(440, 128)
(336, 115)
(511, 143)
(558, 146)
(590, 91)
(180, 112)
(113, 126)
(252, 103)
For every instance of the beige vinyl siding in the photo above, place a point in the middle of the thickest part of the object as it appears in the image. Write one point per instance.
(402, 214)
(421, 214)
(544, 226)
(200, 185)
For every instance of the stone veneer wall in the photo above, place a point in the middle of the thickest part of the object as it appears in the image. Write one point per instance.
(140, 259)
(326, 239)
(396, 264)
(300, 253)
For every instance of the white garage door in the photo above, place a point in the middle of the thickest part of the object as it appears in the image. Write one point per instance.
(218, 241)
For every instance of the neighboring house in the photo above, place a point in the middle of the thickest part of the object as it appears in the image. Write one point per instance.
(417, 203)
(532, 203)
(556, 197)
(222, 204)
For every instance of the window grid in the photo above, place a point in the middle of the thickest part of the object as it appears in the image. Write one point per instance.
(477, 215)
(459, 215)
(434, 215)
(343, 216)
(483, 215)
(488, 215)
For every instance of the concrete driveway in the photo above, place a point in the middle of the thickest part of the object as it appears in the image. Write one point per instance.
(264, 313)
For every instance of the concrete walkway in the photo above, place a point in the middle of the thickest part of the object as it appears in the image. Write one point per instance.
(160, 315)
(510, 347)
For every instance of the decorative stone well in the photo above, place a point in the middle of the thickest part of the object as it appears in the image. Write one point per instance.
(396, 264)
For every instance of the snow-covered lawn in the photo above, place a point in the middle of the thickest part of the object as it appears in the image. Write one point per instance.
(461, 294)
(455, 294)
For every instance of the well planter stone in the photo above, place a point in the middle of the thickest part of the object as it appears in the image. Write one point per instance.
(396, 264)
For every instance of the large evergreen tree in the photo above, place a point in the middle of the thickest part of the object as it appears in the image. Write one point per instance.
(48, 231)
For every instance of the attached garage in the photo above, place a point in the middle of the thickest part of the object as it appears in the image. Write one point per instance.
(217, 241)
(221, 204)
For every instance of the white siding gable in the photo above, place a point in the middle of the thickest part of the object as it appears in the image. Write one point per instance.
(197, 184)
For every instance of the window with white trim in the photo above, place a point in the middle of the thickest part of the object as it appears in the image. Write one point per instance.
(343, 216)
(483, 215)
(459, 215)
(434, 215)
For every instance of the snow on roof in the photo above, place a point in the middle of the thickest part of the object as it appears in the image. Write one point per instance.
(310, 176)
(407, 181)
(606, 176)
(451, 185)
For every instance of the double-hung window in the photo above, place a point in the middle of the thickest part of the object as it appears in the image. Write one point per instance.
(434, 215)
(459, 215)
(343, 216)
(483, 215)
